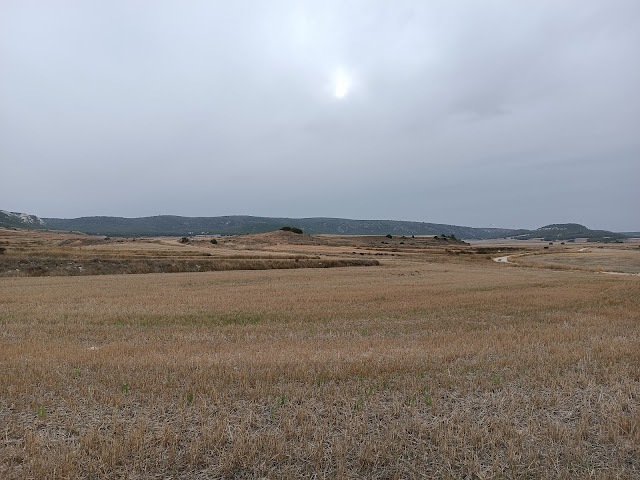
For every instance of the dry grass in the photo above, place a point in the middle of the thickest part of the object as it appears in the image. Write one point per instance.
(42, 254)
(454, 368)
(625, 260)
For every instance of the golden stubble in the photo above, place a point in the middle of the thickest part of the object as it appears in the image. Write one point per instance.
(415, 368)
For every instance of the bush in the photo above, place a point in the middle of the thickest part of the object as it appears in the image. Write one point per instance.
(214, 241)
(389, 235)
(2, 250)
(184, 240)
(292, 229)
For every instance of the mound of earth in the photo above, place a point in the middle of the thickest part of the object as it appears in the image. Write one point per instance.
(281, 237)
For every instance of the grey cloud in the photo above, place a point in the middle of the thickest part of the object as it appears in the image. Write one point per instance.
(464, 112)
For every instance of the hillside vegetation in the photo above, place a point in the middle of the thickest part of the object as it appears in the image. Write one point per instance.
(240, 224)
(177, 226)
(19, 220)
(570, 231)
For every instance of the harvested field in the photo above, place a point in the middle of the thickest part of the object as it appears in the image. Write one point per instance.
(625, 260)
(67, 266)
(37, 254)
(433, 364)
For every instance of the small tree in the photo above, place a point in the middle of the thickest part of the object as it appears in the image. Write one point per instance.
(292, 229)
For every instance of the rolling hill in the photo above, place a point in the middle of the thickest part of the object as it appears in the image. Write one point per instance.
(237, 224)
(569, 231)
(170, 225)
(19, 220)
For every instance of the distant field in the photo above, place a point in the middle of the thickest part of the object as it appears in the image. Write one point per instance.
(605, 259)
(42, 254)
(438, 363)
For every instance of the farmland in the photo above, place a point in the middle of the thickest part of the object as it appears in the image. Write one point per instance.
(427, 360)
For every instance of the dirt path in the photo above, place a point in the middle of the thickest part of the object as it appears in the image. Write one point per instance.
(622, 273)
(505, 259)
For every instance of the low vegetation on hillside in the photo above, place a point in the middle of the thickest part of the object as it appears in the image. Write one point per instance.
(292, 229)
(569, 231)
(241, 225)
(19, 220)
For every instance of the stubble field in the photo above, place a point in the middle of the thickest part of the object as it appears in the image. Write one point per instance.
(433, 364)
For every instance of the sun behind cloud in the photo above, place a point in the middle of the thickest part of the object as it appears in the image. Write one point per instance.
(342, 84)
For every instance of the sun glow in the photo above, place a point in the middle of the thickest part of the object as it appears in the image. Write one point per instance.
(342, 84)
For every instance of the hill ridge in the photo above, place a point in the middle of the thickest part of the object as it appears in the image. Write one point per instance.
(176, 225)
(570, 231)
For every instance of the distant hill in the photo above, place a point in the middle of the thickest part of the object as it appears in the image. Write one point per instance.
(238, 224)
(569, 231)
(19, 220)
(170, 225)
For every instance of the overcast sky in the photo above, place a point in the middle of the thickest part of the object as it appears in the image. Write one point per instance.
(480, 113)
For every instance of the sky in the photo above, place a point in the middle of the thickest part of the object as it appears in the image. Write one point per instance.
(513, 113)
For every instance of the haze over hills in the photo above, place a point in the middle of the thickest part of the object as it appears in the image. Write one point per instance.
(170, 225)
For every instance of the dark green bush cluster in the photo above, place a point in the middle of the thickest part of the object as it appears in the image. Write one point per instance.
(214, 241)
(184, 240)
(444, 237)
(292, 229)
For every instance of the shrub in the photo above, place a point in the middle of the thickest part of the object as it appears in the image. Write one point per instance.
(2, 250)
(389, 235)
(214, 241)
(184, 240)
(292, 229)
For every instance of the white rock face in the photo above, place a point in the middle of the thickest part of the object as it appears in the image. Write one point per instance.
(23, 217)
